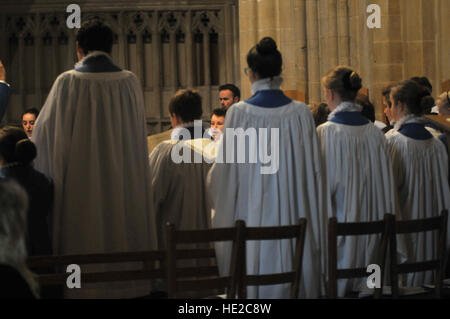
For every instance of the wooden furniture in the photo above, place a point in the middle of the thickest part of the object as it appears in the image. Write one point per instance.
(206, 278)
(336, 229)
(296, 232)
(413, 226)
(152, 267)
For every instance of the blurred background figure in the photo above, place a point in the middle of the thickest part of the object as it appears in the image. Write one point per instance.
(16, 280)
(5, 91)
(368, 110)
(228, 95)
(16, 154)
(217, 122)
(387, 105)
(28, 119)
(320, 112)
(443, 103)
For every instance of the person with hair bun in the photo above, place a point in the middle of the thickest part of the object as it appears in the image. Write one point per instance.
(16, 154)
(358, 170)
(271, 192)
(420, 164)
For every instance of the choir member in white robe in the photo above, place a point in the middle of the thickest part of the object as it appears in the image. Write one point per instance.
(358, 170)
(179, 168)
(281, 184)
(420, 165)
(91, 139)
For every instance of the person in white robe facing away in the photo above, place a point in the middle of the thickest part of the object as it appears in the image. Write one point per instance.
(358, 170)
(420, 164)
(272, 176)
(91, 139)
(179, 168)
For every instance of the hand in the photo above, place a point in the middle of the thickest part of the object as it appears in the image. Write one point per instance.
(2, 72)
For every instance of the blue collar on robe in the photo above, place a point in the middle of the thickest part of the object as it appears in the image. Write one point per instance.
(415, 131)
(269, 99)
(98, 64)
(350, 118)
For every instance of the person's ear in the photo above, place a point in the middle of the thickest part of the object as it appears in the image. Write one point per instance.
(80, 53)
(236, 99)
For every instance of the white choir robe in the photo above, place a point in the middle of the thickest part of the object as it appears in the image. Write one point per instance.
(179, 189)
(295, 190)
(361, 185)
(91, 139)
(421, 174)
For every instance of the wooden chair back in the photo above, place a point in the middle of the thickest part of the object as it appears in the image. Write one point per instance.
(296, 232)
(414, 226)
(336, 229)
(152, 267)
(180, 279)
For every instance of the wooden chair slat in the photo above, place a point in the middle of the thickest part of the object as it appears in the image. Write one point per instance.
(203, 284)
(351, 273)
(358, 229)
(206, 235)
(416, 226)
(270, 279)
(271, 233)
(418, 266)
(196, 253)
(197, 271)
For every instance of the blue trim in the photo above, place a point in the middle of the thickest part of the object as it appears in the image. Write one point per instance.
(415, 131)
(350, 118)
(269, 99)
(98, 64)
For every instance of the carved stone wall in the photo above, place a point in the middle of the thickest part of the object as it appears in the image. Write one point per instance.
(168, 44)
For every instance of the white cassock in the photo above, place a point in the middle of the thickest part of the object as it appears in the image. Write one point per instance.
(420, 164)
(276, 189)
(179, 186)
(91, 139)
(359, 180)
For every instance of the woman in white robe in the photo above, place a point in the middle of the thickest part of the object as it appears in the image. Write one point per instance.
(275, 189)
(358, 170)
(420, 165)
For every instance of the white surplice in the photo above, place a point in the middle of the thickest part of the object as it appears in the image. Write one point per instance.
(421, 175)
(295, 190)
(91, 139)
(361, 185)
(179, 189)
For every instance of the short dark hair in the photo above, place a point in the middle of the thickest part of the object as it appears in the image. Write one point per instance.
(233, 88)
(222, 111)
(94, 35)
(264, 58)
(368, 109)
(31, 111)
(424, 82)
(15, 146)
(187, 104)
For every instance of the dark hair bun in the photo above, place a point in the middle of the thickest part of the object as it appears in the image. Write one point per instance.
(355, 81)
(25, 151)
(266, 46)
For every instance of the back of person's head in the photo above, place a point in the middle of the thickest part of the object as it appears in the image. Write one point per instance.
(187, 104)
(320, 112)
(220, 112)
(344, 82)
(413, 96)
(15, 146)
(233, 88)
(94, 35)
(264, 59)
(368, 109)
(424, 82)
(31, 110)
